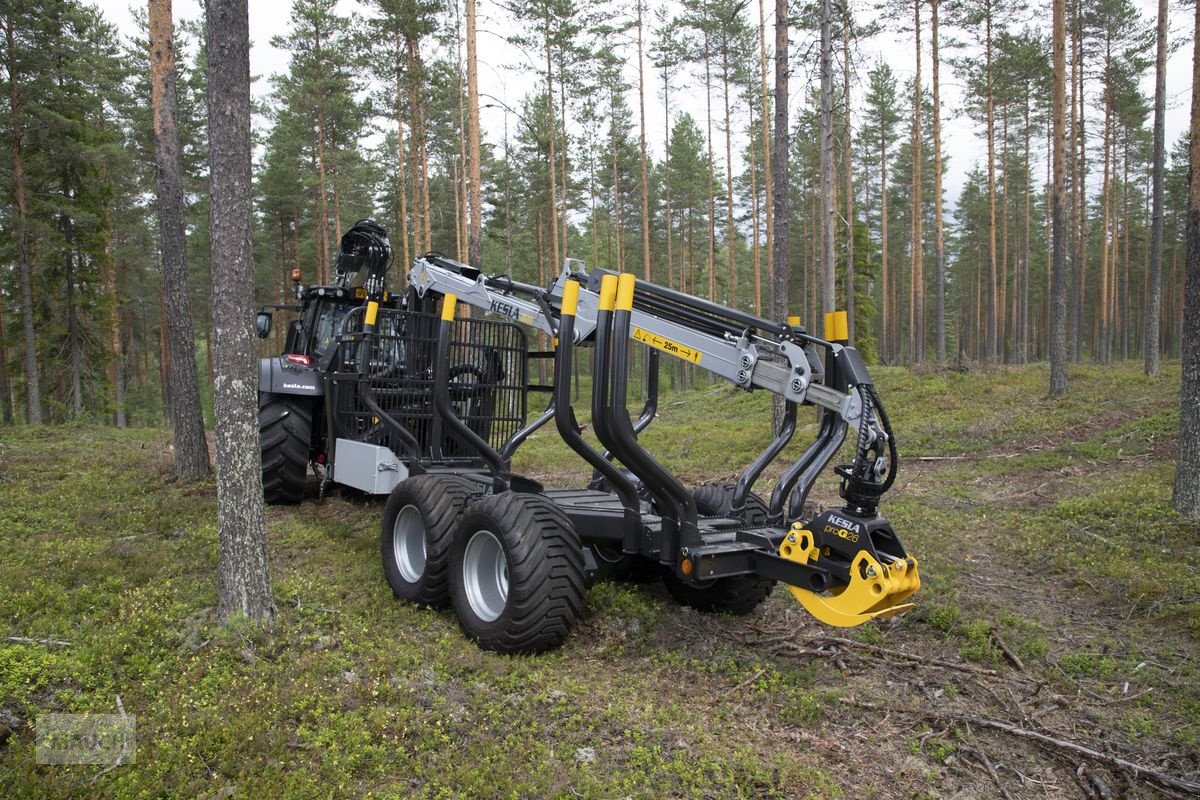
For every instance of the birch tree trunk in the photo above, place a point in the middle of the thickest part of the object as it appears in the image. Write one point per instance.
(191, 447)
(243, 579)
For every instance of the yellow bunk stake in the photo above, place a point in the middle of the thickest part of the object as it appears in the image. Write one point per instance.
(875, 591)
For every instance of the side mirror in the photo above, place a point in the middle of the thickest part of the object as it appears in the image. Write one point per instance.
(262, 324)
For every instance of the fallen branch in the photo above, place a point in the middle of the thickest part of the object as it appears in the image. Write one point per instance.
(933, 662)
(27, 640)
(1008, 653)
(983, 759)
(1161, 778)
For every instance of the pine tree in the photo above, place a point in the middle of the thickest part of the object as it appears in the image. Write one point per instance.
(191, 446)
(243, 579)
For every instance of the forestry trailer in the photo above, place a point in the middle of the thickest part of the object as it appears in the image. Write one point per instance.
(429, 408)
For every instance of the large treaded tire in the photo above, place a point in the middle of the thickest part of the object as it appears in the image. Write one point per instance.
(285, 437)
(517, 581)
(736, 594)
(418, 530)
(715, 500)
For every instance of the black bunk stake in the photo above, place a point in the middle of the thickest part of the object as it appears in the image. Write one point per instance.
(445, 410)
(564, 418)
(674, 501)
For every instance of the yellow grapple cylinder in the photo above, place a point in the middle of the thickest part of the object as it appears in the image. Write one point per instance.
(875, 590)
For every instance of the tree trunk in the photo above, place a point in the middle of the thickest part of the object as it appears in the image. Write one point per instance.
(1079, 144)
(886, 345)
(828, 277)
(108, 273)
(401, 157)
(916, 335)
(243, 578)
(6, 403)
(1022, 327)
(33, 392)
(191, 448)
(939, 241)
(849, 175)
(769, 210)
(728, 180)
(993, 342)
(646, 276)
(1187, 470)
(554, 249)
(779, 252)
(1101, 354)
(1150, 345)
(710, 262)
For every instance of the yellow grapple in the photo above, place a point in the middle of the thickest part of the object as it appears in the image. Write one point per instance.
(874, 590)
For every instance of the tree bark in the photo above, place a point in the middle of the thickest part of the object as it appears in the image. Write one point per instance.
(1150, 345)
(646, 276)
(725, 69)
(939, 242)
(6, 403)
(33, 392)
(1187, 470)
(916, 336)
(769, 189)
(779, 254)
(993, 340)
(828, 277)
(187, 419)
(849, 173)
(243, 579)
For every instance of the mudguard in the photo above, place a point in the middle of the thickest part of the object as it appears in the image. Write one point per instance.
(279, 377)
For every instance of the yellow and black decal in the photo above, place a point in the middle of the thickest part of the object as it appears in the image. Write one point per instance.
(667, 345)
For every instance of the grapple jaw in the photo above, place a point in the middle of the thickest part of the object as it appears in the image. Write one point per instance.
(871, 573)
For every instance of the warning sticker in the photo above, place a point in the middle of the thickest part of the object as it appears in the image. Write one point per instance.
(666, 345)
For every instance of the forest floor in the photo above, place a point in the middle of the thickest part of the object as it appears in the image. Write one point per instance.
(1053, 651)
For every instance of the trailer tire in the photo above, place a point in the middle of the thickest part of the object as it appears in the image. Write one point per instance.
(517, 581)
(417, 532)
(736, 594)
(285, 440)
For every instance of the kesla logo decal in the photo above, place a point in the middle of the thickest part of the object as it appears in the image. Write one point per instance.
(300, 386)
(845, 523)
(504, 309)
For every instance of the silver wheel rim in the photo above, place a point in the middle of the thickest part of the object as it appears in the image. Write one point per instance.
(485, 575)
(408, 543)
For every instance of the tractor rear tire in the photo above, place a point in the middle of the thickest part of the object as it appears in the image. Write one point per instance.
(517, 581)
(735, 594)
(285, 433)
(418, 529)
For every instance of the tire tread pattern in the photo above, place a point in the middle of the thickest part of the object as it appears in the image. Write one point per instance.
(440, 499)
(546, 584)
(736, 594)
(285, 437)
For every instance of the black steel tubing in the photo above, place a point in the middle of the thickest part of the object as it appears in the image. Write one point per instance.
(821, 458)
(445, 410)
(673, 498)
(752, 473)
(787, 481)
(564, 420)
